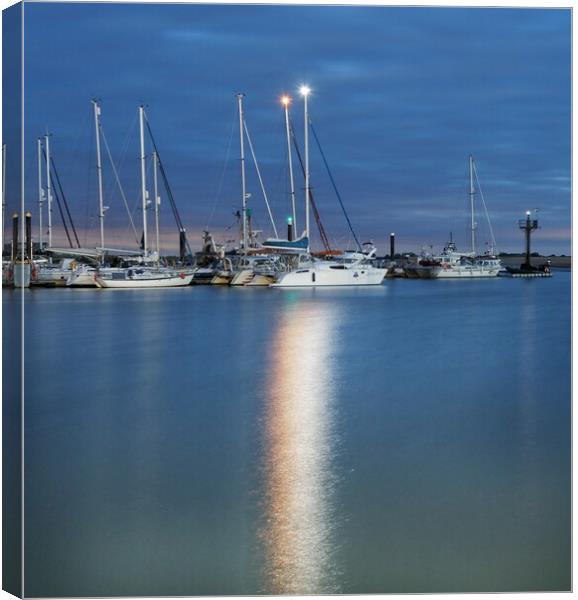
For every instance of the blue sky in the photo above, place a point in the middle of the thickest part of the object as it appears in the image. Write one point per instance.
(401, 97)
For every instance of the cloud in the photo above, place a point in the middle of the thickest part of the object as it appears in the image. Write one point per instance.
(401, 97)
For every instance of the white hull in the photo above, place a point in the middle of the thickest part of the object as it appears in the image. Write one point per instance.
(51, 277)
(331, 275)
(145, 283)
(83, 279)
(464, 272)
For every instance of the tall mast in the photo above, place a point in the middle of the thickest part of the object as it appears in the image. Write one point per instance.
(472, 192)
(40, 194)
(305, 91)
(243, 182)
(157, 200)
(143, 179)
(3, 194)
(286, 100)
(99, 170)
(48, 188)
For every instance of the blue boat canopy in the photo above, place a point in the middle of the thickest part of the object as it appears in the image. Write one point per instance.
(299, 245)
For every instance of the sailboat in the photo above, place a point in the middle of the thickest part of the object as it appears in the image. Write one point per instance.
(451, 264)
(145, 276)
(353, 269)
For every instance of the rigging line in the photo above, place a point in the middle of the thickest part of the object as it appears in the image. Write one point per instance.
(118, 183)
(222, 179)
(322, 233)
(55, 191)
(334, 185)
(260, 179)
(172, 202)
(88, 216)
(64, 202)
(492, 237)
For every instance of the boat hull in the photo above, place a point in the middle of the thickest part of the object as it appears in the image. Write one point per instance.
(261, 280)
(464, 273)
(51, 277)
(84, 279)
(181, 280)
(243, 277)
(326, 276)
(222, 279)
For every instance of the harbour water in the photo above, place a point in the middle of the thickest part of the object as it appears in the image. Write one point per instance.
(410, 437)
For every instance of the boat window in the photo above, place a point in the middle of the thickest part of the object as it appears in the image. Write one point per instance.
(337, 266)
(303, 271)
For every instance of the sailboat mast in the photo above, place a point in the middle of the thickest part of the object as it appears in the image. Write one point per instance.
(48, 188)
(40, 193)
(99, 170)
(3, 194)
(305, 93)
(243, 181)
(286, 101)
(472, 192)
(143, 179)
(157, 200)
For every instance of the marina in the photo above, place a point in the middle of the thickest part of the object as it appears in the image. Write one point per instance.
(275, 262)
(286, 299)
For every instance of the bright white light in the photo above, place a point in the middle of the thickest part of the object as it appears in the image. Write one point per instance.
(528, 213)
(304, 90)
(285, 100)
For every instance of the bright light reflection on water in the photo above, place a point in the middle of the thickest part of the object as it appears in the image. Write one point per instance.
(300, 439)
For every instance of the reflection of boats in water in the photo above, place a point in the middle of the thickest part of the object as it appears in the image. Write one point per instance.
(299, 524)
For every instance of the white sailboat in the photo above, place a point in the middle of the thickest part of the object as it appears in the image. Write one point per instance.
(350, 270)
(451, 264)
(144, 276)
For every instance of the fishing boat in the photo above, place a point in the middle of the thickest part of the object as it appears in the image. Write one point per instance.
(451, 264)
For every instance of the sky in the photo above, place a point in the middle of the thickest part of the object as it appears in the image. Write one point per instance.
(400, 98)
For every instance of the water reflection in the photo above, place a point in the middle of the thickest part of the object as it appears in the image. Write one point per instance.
(299, 533)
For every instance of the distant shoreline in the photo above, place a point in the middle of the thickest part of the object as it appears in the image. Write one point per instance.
(562, 262)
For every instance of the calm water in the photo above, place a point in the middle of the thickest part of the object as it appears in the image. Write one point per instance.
(409, 438)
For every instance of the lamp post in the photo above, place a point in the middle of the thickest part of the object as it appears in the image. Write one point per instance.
(305, 91)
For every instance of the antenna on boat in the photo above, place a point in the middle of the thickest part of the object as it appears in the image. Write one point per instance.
(48, 188)
(472, 192)
(143, 180)
(305, 91)
(243, 181)
(96, 108)
(286, 101)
